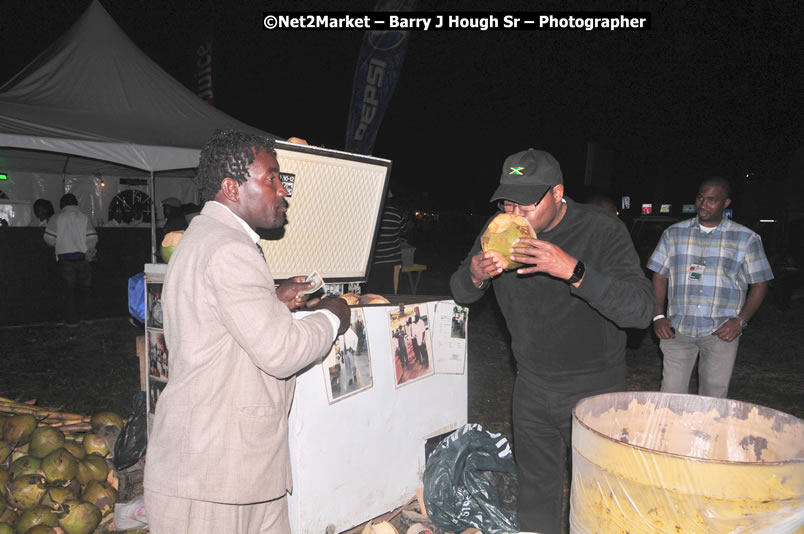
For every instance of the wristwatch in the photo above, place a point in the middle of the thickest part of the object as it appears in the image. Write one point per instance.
(577, 273)
(743, 322)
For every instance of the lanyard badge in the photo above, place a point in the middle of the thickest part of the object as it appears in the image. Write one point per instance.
(697, 269)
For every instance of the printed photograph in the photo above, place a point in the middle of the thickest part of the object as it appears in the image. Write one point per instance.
(447, 325)
(154, 390)
(157, 355)
(155, 306)
(410, 343)
(459, 322)
(347, 368)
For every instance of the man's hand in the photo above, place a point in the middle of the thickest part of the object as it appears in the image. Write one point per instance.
(483, 267)
(288, 292)
(663, 328)
(730, 330)
(336, 306)
(544, 257)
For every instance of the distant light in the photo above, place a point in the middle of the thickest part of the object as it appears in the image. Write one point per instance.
(768, 220)
(3, 176)
(103, 184)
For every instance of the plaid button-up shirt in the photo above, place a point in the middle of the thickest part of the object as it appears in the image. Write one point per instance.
(732, 258)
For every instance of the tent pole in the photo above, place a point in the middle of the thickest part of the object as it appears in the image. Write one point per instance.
(64, 175)
(151, 193)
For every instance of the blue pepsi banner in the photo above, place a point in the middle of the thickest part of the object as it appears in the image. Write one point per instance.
(378, 68)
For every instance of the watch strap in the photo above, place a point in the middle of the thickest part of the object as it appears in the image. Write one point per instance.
(577, 272)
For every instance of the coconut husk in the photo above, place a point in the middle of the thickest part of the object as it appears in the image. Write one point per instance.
(500, 235)
(351, 299)
(372, 298)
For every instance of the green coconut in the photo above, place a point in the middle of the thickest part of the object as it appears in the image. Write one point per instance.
(94, 443)
(5, 528)
(59, 466)
(58, 495)
(5, 451)
(106, 418)
(10, 516)
(4, 477)
(101, 494)
(45, 440)
(500, 235)
(41, 529)
(18, 429)
(169, 244)
(79, 517)
(26, 491)
(24, 465)
(75, 448)
(19, 452)
(92, 467)
(36, 515)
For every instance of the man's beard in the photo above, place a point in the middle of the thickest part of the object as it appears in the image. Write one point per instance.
(273, 234)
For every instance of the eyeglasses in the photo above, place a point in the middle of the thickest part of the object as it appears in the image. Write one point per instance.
(507, 206)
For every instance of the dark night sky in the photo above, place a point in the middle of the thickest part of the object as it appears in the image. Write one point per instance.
(709, 89)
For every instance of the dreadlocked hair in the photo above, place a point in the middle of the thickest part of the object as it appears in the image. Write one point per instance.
(228, 154)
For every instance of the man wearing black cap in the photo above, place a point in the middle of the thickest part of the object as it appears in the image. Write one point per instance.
(580, 285)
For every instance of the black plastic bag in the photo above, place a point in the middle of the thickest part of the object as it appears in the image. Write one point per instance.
(470, 482)
(133, 439)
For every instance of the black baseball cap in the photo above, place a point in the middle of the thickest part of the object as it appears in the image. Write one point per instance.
(527, 175)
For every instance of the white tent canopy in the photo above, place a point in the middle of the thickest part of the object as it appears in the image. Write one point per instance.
(94, 93)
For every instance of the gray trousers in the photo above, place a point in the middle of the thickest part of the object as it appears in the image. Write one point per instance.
(714, 368)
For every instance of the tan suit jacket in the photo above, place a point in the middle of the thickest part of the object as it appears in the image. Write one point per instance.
(220, 428)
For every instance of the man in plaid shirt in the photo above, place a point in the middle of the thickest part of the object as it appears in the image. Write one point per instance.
(718, 276)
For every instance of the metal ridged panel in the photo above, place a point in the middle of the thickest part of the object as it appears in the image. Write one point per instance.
(332, 217)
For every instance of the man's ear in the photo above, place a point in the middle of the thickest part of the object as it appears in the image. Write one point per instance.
(558, 193)
(230, 189)
(727, 203)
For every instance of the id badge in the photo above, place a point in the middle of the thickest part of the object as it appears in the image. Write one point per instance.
(697, 270)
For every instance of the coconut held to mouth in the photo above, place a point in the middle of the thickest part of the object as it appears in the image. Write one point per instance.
(500, 235)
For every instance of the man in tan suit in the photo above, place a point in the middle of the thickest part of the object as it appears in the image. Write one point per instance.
(217, 458)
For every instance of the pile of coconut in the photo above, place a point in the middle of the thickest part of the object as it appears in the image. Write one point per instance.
(56, 474)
